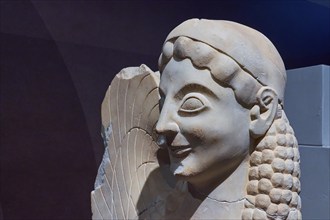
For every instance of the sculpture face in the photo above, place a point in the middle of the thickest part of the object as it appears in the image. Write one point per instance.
(206, 129)
(222, 90)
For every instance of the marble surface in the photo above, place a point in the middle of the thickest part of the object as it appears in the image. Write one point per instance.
(206, 137)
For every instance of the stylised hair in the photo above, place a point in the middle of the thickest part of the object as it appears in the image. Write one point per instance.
(273, 186)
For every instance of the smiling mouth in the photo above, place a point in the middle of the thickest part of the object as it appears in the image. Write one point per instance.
(180, 151)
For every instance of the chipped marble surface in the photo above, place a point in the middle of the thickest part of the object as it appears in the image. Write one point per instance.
(206, 138)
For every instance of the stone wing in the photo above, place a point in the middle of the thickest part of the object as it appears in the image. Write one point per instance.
(129, 113)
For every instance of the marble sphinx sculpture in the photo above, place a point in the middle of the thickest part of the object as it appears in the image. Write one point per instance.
(206, 137)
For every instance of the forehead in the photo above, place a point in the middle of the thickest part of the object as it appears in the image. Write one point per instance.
(178, 74)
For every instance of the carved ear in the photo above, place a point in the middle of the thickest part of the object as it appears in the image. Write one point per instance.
(263, 113)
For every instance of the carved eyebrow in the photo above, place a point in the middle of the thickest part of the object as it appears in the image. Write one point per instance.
(193, 87)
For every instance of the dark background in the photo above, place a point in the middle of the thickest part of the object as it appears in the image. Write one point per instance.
(57, 60)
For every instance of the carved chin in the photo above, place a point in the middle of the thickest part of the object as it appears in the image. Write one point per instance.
(177, 169)
(182, 171)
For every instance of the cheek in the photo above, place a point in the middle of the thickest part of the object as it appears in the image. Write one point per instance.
(195, 131)
(217, 140)
(204, 136)
(210, 128)
(198, 133)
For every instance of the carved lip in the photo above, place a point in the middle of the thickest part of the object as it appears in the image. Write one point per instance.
(180, 151)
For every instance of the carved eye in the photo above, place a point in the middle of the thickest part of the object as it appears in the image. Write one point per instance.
(192, 104)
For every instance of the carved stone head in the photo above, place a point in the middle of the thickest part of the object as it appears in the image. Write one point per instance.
(222, 88)
(221, 128)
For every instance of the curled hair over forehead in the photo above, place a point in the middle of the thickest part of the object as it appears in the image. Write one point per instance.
(235, 54)
(223, 68)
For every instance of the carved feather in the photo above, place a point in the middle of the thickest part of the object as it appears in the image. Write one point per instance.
(129, 113)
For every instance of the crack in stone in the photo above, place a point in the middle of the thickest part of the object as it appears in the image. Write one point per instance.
(225, 201)
(149, 207)
(146, 162)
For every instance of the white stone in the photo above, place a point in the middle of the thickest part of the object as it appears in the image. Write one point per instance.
(205, 137)
(275, 195)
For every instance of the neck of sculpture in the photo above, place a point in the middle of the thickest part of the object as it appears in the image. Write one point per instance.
(231, 187)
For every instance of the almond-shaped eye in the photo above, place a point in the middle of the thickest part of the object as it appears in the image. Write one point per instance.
(192, 104)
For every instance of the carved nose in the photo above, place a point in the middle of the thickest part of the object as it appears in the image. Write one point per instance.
(167, 129)
(165, 122)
